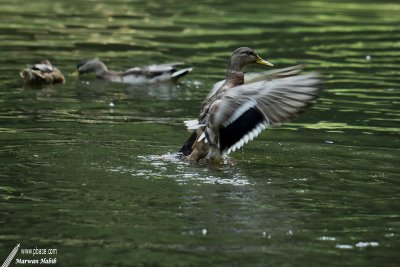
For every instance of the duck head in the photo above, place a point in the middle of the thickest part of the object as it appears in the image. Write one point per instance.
(92, 65)
(244, 56)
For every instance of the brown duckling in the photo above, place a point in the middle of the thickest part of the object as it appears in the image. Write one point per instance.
(236, 112)
(42, 73)
(149, 74)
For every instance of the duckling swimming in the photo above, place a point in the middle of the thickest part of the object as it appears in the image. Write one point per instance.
(149, 74)
(42, 73)
(236, 112)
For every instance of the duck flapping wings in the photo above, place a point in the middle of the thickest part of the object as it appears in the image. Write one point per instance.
(237, 115)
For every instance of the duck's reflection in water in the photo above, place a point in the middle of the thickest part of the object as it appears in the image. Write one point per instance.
(87, 89)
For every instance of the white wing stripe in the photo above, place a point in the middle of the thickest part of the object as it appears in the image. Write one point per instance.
(242, 109)
(202, 136)
(249, 136)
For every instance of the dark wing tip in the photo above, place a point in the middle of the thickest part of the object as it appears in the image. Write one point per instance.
(244, 129)
(186, 149)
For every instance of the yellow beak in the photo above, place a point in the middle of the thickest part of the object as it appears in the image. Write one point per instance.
(263, 62)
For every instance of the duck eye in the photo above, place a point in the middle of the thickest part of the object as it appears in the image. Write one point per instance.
(248, 53)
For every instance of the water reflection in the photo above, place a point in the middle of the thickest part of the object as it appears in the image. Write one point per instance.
(92, 89)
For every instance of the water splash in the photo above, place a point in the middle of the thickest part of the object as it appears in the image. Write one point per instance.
(170, 165)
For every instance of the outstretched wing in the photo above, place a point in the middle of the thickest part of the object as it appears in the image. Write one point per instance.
(252, 77)
(244, 111)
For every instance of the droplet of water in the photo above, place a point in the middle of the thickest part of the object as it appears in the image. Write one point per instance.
(368, 57)
(329, 142)
(204, 232)
(111, 104)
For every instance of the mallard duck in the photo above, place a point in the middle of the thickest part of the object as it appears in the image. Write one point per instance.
(43, 73)
(136, 75)
(236, 110)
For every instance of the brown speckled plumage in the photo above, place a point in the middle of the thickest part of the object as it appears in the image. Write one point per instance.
(43, 73)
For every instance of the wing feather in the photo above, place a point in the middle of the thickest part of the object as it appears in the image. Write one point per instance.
(237, 114)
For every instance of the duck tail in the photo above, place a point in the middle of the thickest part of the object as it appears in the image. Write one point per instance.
(186, 149)
(180, 73)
